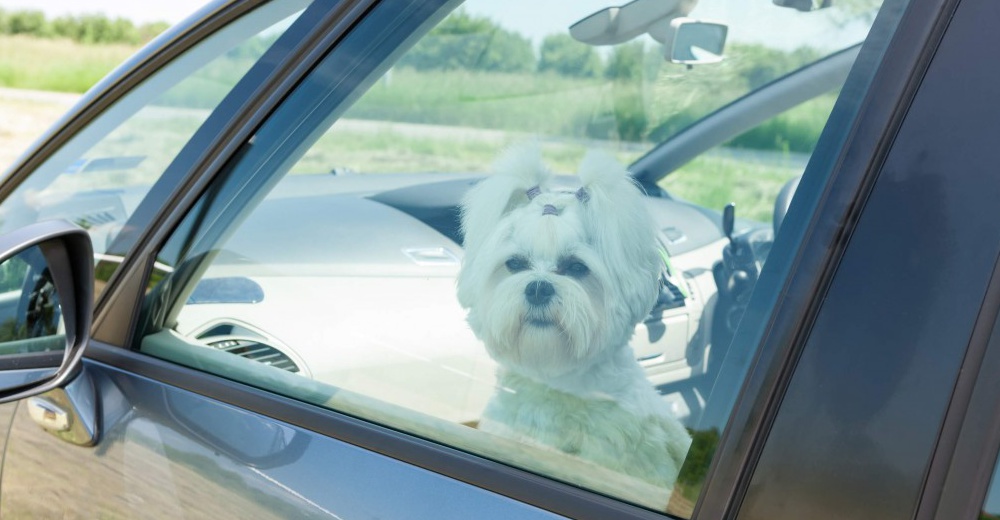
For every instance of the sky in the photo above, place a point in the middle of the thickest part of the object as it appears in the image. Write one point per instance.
(749, 20)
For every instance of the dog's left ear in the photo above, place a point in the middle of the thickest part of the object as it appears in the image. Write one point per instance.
(622, 229)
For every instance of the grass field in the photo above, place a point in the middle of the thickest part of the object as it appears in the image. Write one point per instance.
(442, 121)
(24, 116)
(56, 65)
(751, 179)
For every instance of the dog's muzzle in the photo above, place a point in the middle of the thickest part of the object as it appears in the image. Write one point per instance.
(539, 293)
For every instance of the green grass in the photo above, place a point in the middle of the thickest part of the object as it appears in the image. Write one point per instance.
(56, 65)
(570, 115)
(378, 148)
(751, 181)
(543, 104)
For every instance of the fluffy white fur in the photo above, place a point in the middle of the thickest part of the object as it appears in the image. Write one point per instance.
(567, 377)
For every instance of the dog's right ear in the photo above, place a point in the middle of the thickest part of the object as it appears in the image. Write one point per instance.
(517, 177)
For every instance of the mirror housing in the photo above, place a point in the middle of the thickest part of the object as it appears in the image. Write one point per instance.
(804, 5)
(691, 42)
(614, 25)
(69, 258)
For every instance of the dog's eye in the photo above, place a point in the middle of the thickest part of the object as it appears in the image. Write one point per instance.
(517, 263)
(576, 269)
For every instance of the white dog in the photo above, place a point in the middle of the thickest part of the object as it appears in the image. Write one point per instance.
(555, 282)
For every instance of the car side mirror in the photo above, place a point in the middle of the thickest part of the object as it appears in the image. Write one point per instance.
(46, 299)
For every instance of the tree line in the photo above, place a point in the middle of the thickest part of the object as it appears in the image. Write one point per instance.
(464, 41)
(85, 28)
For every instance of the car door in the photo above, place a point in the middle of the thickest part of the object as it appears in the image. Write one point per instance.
(186, 428)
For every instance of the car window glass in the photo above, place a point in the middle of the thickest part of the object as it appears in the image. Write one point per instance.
(754, 166)
(445, 239)
(98, 178)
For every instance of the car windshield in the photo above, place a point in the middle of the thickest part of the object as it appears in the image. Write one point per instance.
(583, 75)
(764, 42)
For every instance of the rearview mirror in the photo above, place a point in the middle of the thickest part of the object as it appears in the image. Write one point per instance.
(615, 25)
(692, 42)
(804, 5)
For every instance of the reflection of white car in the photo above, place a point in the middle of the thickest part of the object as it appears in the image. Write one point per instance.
(312, 298)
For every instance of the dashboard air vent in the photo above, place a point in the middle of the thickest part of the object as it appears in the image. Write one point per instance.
(256, 351)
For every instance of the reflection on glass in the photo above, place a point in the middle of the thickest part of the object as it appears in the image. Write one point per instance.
(29, 305)
(99, 177)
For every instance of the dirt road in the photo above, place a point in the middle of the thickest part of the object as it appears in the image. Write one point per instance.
(24, 116)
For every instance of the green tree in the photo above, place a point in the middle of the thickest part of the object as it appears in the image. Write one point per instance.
(64, 27)
(27, 22)
(562, 54)
(463, 41)
(625, 70)
(87, 28)
(760, 65)
(625, 63)
(95, 29)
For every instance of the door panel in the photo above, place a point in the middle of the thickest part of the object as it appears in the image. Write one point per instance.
(158, 459)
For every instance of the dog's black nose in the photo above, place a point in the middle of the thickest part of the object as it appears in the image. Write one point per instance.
(539, 293)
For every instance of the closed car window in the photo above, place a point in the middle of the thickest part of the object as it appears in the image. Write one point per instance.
(505, 227)
(98, 178)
